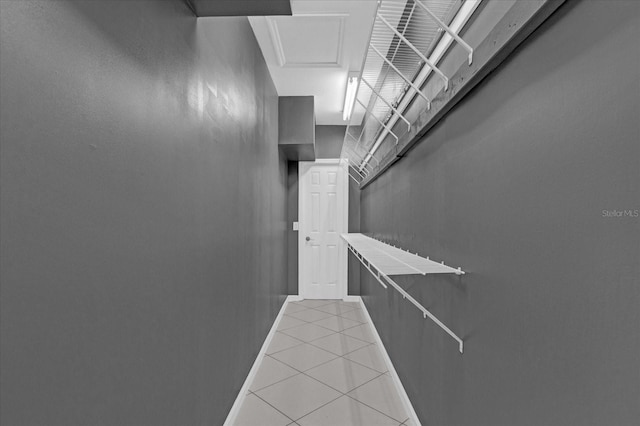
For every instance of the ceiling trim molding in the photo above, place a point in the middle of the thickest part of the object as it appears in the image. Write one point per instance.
(276, 40)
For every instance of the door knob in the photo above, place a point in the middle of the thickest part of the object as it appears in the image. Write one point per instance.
(308, 239)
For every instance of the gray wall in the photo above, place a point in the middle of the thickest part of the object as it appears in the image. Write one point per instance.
(511, 186)
(353, 264)
(296, 127)
(143, 212)
(292, 236)
(329, 141)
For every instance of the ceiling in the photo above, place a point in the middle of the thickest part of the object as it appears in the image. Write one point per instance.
(313, 51)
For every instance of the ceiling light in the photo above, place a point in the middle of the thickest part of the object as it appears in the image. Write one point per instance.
(350, 96)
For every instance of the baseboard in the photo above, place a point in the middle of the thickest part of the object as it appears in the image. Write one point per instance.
(392, 371)
(351, 299)
(233, 413)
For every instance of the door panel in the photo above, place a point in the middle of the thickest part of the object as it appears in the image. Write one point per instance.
(322, 218)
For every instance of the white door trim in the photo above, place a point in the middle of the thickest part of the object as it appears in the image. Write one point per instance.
(303, 166)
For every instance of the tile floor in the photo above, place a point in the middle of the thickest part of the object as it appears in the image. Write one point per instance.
(323, 367)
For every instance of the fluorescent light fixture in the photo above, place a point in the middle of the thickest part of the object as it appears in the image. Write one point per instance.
(350, 96)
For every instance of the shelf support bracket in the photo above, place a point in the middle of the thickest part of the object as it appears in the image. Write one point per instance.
(391, 260)
(417, 51)
(388, 104)
(409, 82)
(452, 33)
(378, 120)
(425, 312)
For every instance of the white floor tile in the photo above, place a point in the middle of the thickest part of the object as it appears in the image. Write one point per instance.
(381, 393)
(304, 357)
(332, 342)
(339, 344)
(354, 305)
(256, 412)
(294, 307)
(362, 332)
(271, 371)
(298, 395)
(356, 315)
(345, 411)
(313, 303)
(288, 322)
(281, 342)
(310, 315)
(369, 356)
(308, 332)
(342, 374)
(336, 308)
(336, 323)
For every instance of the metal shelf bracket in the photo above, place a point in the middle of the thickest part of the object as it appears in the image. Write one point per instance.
(383, 260)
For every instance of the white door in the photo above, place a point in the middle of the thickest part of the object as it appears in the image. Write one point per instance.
(322, 217)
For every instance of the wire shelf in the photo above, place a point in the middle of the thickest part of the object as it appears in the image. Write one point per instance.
(403, 37)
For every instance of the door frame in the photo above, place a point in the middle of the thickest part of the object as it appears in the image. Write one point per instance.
(303, 167)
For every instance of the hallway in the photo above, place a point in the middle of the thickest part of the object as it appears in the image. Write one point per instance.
(150, 229)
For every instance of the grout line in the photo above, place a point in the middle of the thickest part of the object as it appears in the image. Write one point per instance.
(342, 394)
(341, 332)
(329, 301)
(337, 390)
(292, 317)
(323, 405)
(304, 372)
(290, 347)
(359, 363)
(375, 409)
(326, 362)
(353, 308)
(362, 340)
(318, 310)
(322, 319)
(275, 408)
(319, 325)
(340, 355)
(362, 384)
(281, 380)
(317, 338)
(322, 363)
(310, 368)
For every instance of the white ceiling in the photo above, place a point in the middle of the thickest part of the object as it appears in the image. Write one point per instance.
(313, 51)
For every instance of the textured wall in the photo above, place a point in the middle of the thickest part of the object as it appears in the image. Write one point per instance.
(292, 236)
(143, 212)
(511, 186)
(329, 141)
